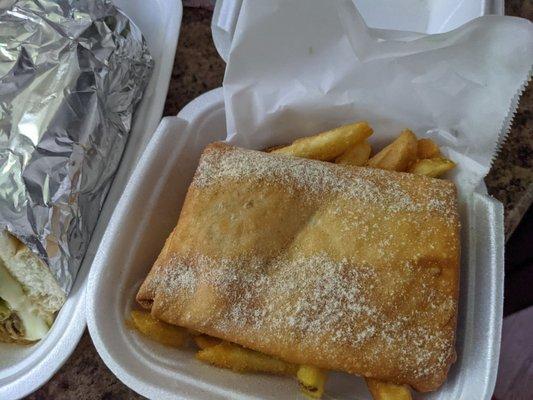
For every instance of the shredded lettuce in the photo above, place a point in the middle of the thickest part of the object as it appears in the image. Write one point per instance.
(5, 311)
(20, 318)
(11, 327)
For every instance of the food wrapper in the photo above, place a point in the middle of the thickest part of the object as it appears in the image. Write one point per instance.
(303, 66)
(71, 74)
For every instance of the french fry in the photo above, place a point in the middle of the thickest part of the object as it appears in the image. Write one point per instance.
(328, 145)
(432, 167)
(398, 155)
(206, 341)
(239, 359)
(357, 155)
(158, 331)
(312, 381)
(427, 148)
(387, 391)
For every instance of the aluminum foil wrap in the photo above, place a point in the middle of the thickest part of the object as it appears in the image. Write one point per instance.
(71, 75)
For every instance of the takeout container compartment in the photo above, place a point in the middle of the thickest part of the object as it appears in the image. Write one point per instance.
(425, 16)
(149, 209)
(23, 369)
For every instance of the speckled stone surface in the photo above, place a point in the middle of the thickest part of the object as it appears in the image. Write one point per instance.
(510, 179)
(198, 68)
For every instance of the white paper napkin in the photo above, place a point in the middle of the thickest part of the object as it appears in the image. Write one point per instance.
(302, 66)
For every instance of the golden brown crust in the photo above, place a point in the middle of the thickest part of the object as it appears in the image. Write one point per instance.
(344, 268)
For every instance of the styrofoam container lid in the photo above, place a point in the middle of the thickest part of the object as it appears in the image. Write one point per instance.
(425, 16)
(24, 369)
(146, 214)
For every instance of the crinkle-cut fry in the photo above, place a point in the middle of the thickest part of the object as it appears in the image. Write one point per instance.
(432, 167)
(159, 331)
(328, 145)
(232, 356)
(312, 380)
(357, 155)
(427, 148)
(398, 155)
(387, 391)
(206, 341)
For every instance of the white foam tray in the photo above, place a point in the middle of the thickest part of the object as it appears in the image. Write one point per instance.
(426, 16)
(25, 369)
(147, 212)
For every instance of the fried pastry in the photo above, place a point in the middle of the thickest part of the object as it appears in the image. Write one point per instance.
(338, 267)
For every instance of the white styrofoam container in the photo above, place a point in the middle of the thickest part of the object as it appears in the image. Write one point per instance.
(147, 212)
(24, 369)
(425, 16)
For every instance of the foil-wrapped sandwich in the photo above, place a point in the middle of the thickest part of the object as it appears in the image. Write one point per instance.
(71, 75)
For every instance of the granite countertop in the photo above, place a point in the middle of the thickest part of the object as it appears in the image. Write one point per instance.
(198, 69)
